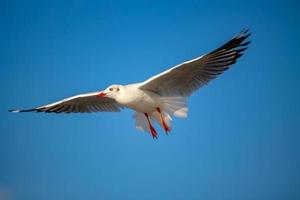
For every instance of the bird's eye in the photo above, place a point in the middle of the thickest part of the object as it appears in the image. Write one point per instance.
(111, 89)
(118, 89)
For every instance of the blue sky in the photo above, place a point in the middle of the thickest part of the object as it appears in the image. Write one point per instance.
(240, 141)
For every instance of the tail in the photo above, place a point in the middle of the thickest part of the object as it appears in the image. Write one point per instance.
(176, 106)
(141, 122)
(163, 119)
(170, 106)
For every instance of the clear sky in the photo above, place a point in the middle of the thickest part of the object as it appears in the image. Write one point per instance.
(241, 139)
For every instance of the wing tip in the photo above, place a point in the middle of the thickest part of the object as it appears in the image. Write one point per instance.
(14, 111)
(245, 32)
(18, 111)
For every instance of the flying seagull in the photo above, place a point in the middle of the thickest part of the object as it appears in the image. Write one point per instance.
(161, 96)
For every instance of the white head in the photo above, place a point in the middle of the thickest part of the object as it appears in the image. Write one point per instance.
(112, 91)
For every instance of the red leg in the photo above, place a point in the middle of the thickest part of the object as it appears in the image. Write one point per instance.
(162, 121)
(153, 131)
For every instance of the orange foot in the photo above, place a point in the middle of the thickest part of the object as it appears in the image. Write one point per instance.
(163, 123)
(166, 127)
(153, 131)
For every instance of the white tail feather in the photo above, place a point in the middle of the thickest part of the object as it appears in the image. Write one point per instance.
(141, 122)
(176, 106)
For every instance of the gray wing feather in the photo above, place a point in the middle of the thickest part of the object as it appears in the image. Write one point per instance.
(84, 103)
(187, 77)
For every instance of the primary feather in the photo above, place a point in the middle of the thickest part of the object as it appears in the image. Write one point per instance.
(185, 78)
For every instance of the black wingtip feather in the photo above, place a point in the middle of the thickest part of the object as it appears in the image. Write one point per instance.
(238, 55)
(18, 111)
(238, 41)
(240, 50)
(244, 31)
(245, 44)
(246, 36)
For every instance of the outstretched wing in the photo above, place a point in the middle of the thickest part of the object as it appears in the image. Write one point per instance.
(189, 76)
(84, 103)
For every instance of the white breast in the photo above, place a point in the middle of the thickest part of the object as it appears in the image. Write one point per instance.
(139, 100)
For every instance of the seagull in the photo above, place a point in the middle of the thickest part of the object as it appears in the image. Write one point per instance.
(160, 97)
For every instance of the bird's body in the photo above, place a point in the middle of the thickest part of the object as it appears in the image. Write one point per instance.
(137, 99)
(140, 100)
(161, 96)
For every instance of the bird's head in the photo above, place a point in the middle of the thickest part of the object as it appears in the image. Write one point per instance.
(111, 91)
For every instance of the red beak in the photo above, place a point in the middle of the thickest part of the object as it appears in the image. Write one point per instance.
(101, 94)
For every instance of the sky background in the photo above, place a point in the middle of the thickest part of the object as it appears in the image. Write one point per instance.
(241, 139)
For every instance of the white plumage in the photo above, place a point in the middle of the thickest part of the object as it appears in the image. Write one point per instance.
(161, 96)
